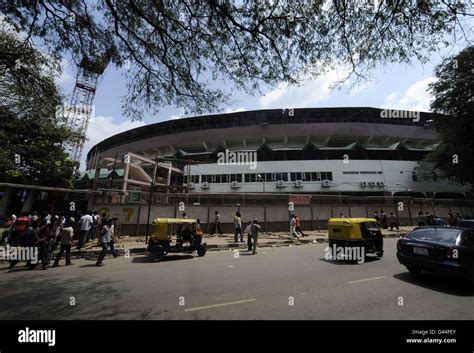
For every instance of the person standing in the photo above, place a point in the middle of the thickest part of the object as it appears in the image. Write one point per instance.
(238, 227)
(383, 220)
(43, 238)
(19, 232)
(393, 222)
(377, 218)
(95, 225)
(217, 223)
(421, 219)
(106, 238)
(66, 236)
(255, 228)
(248, 230)
(298, 226)
(293, 227)
(85, 223)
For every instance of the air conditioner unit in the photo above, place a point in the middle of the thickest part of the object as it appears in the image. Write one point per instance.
(190, 185)
(205, 185)
(234, 185)
(372, 184)
(326, 183)
(280, 184)
(380, 183)
(299, 183)
(363, 184)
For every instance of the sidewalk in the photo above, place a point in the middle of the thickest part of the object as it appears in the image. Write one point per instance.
(136, 245)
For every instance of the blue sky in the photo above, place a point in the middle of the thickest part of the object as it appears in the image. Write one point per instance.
(399, 86)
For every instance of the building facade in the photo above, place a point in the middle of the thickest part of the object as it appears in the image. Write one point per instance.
(359, 151)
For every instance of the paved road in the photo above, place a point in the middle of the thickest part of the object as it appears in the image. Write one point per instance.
(278, 283)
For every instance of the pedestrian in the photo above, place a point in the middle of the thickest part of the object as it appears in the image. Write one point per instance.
(451, 220)
(66, 236)
(248, 230)
(85, 223)
(293, 232)
(439, 222)
(43, 235)
(95, 225)
(393, 222)
(254, 229)
(298, 226)
(106, 238)
(383, 220)
(421, 219)
(238, 228)
(18, 235)
(217, 223)
(377, 218)
(113, 238)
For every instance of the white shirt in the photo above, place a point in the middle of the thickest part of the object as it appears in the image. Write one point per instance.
(85, 222)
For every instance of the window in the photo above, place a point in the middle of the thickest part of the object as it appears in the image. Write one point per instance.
(326, 176)
(434, 234)
(192, 179)
(295, 176)
(236, 177)
(250, 178)
(350, 173)
(367, 172)
(468, 239)
(316, 176)
(282, 176)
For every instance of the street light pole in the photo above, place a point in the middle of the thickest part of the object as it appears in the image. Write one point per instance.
(152, 187)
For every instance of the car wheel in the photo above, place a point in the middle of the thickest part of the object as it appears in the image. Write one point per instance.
(157, 253)
(414, 270)
(201, 251)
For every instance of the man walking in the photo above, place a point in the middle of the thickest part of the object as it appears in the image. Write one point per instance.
(66, 236)
(393, 222)
(238, 228)
(217, 224)
(255, 228)
(106, 237)
(248, 230)
(293, 227)
(298, 226)
(86, 223)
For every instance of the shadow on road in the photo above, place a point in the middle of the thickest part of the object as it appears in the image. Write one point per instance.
(174, 257)
(438, 282)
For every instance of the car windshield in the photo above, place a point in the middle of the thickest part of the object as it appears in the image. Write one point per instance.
(435, 234)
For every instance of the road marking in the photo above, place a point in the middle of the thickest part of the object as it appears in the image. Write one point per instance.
(367, 279)
(219, 305)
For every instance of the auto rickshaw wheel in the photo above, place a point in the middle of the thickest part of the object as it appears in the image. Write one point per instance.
(157, 253)
(201, 250)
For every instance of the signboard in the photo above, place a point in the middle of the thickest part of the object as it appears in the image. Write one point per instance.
(300, 199)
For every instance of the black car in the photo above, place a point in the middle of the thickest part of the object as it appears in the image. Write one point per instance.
(438, 249)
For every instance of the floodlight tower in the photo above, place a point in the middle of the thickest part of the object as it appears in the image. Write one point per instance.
(82, 100)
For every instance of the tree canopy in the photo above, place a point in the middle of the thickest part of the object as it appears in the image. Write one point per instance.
(453, 94)
(32, 135)
(176, 51)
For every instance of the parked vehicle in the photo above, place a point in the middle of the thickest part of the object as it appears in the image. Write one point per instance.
(356, 232)
(438, 249)
(187, 235)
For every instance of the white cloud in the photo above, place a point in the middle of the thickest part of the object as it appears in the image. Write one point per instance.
(235, 110)
(305, 95)
(416, 97)
(102, 127)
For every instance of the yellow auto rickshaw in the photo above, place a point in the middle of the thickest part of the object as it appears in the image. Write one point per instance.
(356, 233)
(187, 232)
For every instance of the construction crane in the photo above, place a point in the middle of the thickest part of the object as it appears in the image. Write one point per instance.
(81, 106)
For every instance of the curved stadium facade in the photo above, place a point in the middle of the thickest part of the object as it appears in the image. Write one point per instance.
(361, 151)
